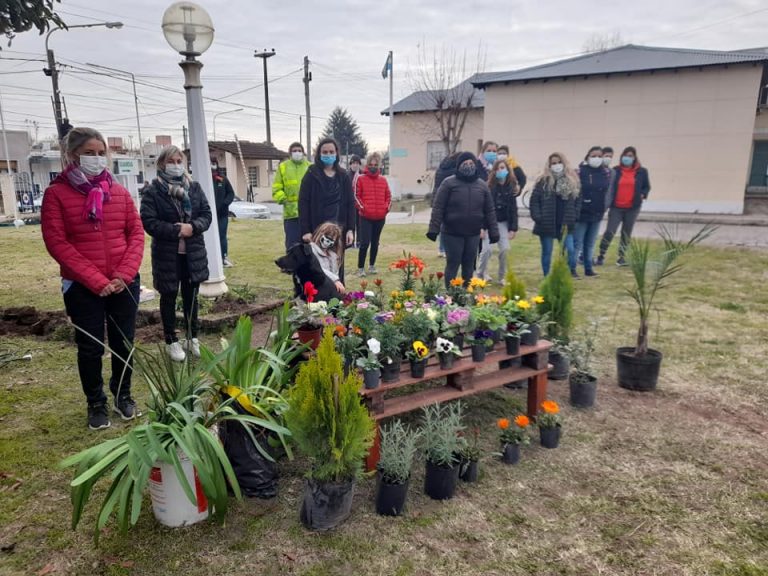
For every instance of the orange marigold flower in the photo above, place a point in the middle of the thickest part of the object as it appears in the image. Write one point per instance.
(457, 282)
(550, 407)
(340, 330)
(522, 420)
(503, 423)
(357, 330)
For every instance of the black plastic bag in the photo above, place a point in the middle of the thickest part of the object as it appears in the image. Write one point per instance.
(326, 504)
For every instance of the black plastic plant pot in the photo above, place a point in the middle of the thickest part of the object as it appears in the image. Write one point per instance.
(496, 336)
(446, 360)
(478, 352)
(510, 453)
(440, 481)
(561, 365)
(458, 341)
(326, 504)
(532, 336)
(550, 437)
(390, 498)
(639, 373)
(418, 367)
(469, 471)
(390, 372)
(371, 378)
(513, 345)
(583, 388)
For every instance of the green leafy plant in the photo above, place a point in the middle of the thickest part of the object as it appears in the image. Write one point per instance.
(557, 291)
(515, 431)
(549, 415)
(581, 351)
(441, 426)
(417, 325)
(328, 422)
(242, 293)
(486, 317)
(514, 288)
(471, 451)
(364, 323)
(651, 272)
(391, 339)
(399, 444)
(370, 360)
(184, 408)
(430, 286)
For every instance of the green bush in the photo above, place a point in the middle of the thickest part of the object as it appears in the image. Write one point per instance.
(441, 427)
(514, 287)
(557, 291)
(398, 447)
(326, 418)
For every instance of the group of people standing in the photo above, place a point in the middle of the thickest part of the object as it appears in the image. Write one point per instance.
(475, 208)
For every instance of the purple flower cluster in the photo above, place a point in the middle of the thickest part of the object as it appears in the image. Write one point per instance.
(458, 316)
(384, 317)
(483, 334)
(440, 301)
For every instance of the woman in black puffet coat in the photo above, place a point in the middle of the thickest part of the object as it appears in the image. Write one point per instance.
(176, 213)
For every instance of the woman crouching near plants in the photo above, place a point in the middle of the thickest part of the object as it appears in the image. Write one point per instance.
(329, 251)
(91, 228)
(176, 213)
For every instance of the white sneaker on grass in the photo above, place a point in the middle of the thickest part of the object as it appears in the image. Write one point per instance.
(193, 347)
(176, 352)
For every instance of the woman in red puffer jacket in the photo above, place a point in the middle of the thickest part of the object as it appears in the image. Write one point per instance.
(92, 229)
(373, 200)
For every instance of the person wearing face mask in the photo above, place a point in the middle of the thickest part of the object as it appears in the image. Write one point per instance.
(594, 179)
(488, 155)
(607, 157)
(327, 247)
(515, 168)
(91, 228)
(326, 196)
(176, 213)
(285, 191)
(462, 208)
(629, 187)
(224, 195)
(446, 168)
(373, 200)
(504, 191)
(555, 204)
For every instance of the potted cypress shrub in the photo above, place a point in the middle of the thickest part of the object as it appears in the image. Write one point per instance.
(370, 364)
(512, 435)
(176, 452)
(334, 430)
(550, 424)
(557, 292)
(397, 449)
(638, 367)
(442, 444)
(582, 382)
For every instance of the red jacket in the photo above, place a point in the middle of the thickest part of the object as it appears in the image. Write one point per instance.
(372, 196)
(86, 254)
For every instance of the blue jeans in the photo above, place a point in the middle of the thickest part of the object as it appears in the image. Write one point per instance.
(223, 225)
(292, 232)
(547, 244)
(585, 235)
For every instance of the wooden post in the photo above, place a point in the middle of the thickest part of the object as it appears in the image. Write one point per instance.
(537, 393)
(374, 453)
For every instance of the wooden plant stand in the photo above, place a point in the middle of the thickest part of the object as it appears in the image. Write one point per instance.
(465, 378)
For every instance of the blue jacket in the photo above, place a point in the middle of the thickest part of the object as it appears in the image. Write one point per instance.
(594, 190)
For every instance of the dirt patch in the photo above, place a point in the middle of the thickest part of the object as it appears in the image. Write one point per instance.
(29, 321)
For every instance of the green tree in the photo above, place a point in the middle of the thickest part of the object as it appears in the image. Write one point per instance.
(22, 15)
(344, 129)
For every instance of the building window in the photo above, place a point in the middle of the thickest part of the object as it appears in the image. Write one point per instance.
(253, 176)
(436, 153)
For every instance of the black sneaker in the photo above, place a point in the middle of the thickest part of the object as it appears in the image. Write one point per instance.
(98, 416)
(621, 262)
(127, 408)
(575, 274)
(600, 260)
(591, 273)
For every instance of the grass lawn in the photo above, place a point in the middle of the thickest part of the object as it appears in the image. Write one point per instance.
(668, 483)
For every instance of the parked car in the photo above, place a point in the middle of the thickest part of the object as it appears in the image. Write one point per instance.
(242, 209)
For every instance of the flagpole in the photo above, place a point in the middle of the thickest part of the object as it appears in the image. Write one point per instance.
(391, 100)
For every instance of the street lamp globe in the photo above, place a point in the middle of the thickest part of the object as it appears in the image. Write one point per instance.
(188, 28)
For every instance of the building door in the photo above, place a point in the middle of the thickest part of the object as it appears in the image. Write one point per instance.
(758, 175)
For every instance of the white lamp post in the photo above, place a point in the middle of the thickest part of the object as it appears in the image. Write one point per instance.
(189, 31)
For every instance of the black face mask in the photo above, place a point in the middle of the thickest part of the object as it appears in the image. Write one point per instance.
(467, 173)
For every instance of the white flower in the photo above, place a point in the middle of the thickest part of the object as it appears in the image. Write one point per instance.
(369, 294)
(431, 313)
(444, 345)
(374, 345)
(321, 306)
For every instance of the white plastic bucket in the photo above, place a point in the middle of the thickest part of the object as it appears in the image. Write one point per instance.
(169, 501)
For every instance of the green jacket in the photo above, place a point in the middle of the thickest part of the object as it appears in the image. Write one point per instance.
(285, 188)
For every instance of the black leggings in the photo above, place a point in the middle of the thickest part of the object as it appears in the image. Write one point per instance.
(369, 235)
(189, 292)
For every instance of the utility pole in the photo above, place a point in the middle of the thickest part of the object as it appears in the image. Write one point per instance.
(264, 55)
(184, 132)
(307, 80)
(301, 132)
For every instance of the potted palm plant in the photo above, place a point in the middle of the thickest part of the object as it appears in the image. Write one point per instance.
(176, 452)
(442, 445)
(334, 430)
(638, 367)
(399, 444)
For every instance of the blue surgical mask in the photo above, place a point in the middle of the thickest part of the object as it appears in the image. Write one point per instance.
(328, 159)
(490, 157)
(373, 169)
(627, 160)
(502, 175)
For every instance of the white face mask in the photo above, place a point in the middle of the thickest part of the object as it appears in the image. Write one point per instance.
(93, 165)
(557, 168)
(502, 156)
(595, 162)
(607, 160)
(174, 170)
(326, 243)
(297, 156)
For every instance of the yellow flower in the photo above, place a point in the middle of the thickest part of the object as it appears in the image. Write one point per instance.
(421, 350)
(398, 305)
(538, 300)
(394, 294)
(470, 289)
(477, 283)
(457, 282)
(409, 293)
(523, 304)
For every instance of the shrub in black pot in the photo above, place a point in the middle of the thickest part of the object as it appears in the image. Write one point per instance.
(442, 442)
(582, 382)
(638, 367)
(469, 458)
(390, 340)
(398, 447)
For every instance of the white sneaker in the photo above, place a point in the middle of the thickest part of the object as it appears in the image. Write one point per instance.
(176, 352)
(227, 263)
(193, 347)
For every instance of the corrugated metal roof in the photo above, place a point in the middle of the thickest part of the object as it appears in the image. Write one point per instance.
(425, 100)
(629, 58)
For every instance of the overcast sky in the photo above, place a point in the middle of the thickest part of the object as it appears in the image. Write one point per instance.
(347, 43)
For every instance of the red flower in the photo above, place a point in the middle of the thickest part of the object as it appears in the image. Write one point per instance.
(378, 281)
(310, 292)
(440, 275)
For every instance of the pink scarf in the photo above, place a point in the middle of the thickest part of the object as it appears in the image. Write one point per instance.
(95, 188)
